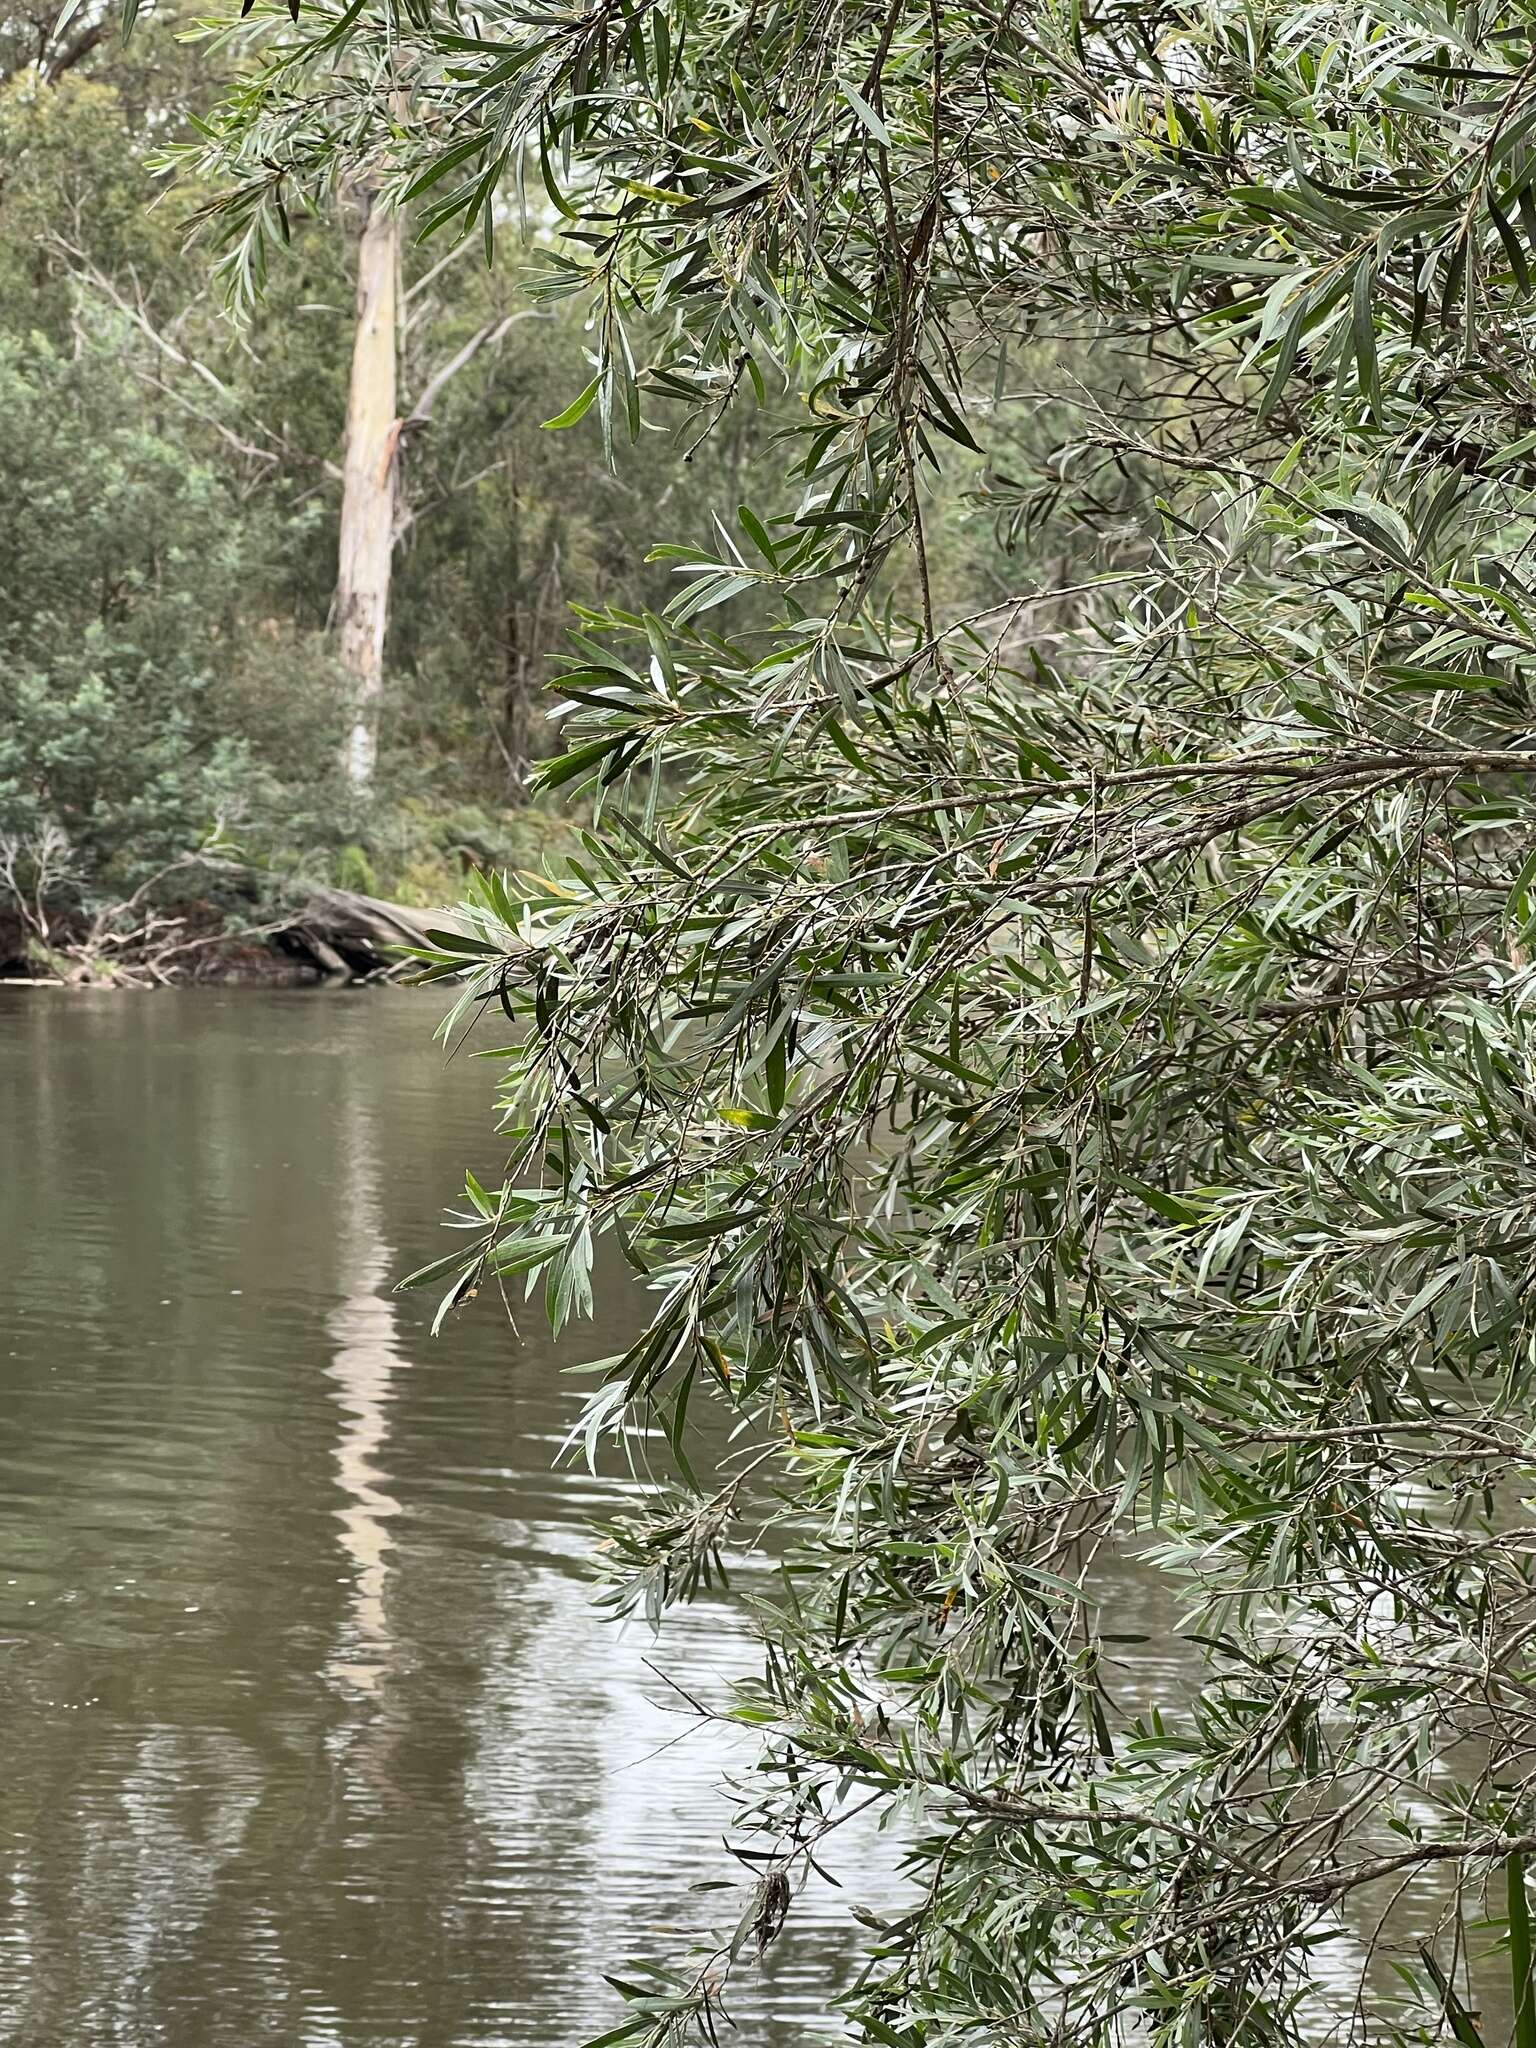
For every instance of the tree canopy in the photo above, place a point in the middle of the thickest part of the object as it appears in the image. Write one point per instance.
(1060, 1054)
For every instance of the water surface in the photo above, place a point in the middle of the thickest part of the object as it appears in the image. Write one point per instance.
(311, 1733)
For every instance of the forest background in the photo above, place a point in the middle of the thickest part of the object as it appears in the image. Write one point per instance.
(174, 708)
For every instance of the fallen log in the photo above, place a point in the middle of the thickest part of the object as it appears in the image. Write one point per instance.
(314, 931)
(350, 936)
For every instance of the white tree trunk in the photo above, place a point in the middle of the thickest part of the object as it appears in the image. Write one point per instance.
(369, 479)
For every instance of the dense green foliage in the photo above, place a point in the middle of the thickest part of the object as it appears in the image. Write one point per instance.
(155, 688)
(127, 702)
(1065, 1068)
(169, 496)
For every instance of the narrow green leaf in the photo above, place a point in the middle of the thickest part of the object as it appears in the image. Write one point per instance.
(448, 161)
(1512, 249)
(578, 407)
(1284, 358)
(1463, 2026)
(1363, 335)
(867, 116)
(758, 534)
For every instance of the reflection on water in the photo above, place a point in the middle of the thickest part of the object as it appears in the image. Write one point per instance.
(362, 1328)
(311, 1734)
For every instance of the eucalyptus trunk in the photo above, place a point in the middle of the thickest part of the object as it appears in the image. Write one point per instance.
(369, 478)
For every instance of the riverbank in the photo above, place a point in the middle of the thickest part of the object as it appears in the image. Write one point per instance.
(321, 934)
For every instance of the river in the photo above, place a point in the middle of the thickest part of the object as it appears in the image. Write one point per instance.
(311, 1732)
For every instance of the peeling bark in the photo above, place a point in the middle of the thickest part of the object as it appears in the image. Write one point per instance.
(369, 478)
